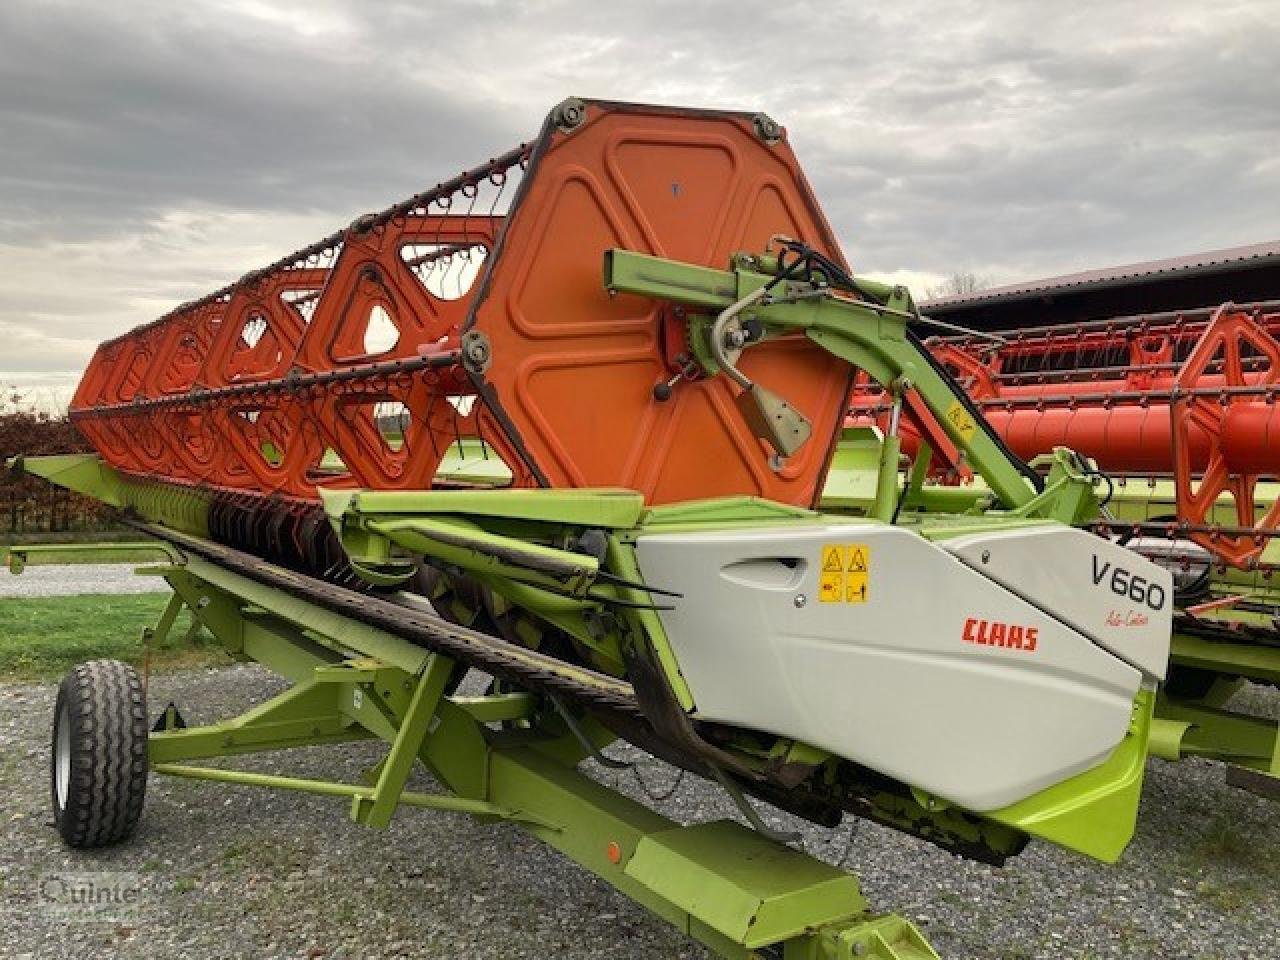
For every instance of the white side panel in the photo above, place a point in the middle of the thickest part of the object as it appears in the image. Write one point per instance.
(1107, 592)
(899, 681)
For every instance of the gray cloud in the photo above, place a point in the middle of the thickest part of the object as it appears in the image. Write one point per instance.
(150, 151)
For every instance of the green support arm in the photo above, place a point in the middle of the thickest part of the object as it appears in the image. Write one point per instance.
(867, 334)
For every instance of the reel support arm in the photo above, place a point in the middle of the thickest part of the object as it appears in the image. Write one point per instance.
(868, 335)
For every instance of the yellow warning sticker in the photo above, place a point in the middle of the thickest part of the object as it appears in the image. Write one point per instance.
(832, 558)
(830, 587)
(858, 558)
(961, 420)
(846, 571)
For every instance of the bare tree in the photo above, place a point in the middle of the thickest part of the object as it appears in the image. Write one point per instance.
(958, 283)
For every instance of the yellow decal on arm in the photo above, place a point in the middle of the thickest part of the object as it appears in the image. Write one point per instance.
(961, 420)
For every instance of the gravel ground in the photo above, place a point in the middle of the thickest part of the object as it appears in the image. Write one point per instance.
(65, 580)
(236, 871)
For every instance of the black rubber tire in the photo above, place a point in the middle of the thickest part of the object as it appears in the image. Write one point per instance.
(103, 762)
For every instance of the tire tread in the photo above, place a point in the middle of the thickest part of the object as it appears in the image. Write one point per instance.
(108, 736)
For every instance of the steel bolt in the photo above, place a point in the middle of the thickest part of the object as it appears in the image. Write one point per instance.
(475, 351)
(767, 129)
(569, 114)
(986, 556)
(800, 600)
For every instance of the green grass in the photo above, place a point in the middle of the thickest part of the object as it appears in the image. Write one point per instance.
(1223, 840)
(1232, 868)
(41, 638)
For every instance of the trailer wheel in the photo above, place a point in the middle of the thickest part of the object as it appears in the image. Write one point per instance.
(98, 769)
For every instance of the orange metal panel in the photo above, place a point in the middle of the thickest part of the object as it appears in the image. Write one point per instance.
(573, 368)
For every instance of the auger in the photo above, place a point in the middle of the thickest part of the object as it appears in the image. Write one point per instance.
(573, 433)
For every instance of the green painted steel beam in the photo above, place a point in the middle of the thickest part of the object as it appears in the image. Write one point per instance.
(499, 707)
(1251, 660)
(159, 634)
(481, 552)
(870, 337)
(704, 287)
(1166, 738)
(21, 554)
(751, 889)
(181, 508)
(338, 632)
(329, 788)
(1225, 735)
(82, 472)
(586, 506)
(306, 713)
(375, 809)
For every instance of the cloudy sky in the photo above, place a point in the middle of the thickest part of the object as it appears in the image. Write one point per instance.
(151, 151)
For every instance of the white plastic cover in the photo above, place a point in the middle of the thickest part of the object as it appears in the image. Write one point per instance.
(1107, 592)
(910, 668)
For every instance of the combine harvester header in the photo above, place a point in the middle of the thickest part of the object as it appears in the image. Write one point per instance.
(566, 419)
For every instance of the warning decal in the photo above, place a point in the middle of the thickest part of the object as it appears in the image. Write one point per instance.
(830, 587)
(961, 420)
(846, 569)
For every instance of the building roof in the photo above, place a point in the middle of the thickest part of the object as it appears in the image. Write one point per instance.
(1211, 261)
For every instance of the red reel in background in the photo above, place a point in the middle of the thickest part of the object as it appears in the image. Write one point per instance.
(1236, 456)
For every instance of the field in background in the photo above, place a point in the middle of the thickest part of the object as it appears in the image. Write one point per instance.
(43, 637)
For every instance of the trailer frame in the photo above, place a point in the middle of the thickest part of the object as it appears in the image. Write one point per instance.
(499, 757)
